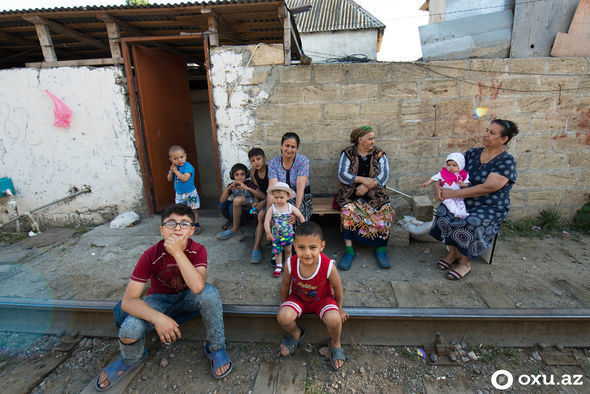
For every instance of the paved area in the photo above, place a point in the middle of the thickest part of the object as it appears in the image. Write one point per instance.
(526, 273)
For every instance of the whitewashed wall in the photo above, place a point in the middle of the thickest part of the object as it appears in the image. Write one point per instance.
(97, 150)
(323, 46)
(237, 76)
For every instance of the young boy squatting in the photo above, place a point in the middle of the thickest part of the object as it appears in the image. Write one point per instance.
(311, 284)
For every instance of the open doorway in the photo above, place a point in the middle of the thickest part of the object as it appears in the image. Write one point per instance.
(170, 99)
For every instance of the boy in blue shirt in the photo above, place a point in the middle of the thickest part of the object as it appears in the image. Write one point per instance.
(183, 175)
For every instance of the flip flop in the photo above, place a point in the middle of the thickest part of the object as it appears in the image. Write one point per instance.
(218, 359)
(336, 353)
(291, 343)
(443, 265)
(454, 275)
(117, 370)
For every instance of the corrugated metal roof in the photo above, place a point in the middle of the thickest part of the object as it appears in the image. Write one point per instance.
(333, 15)
(81, 32)
(127, 7)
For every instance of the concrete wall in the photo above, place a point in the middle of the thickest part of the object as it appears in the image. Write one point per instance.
(47, 162)
(326, 45)
(420, 112)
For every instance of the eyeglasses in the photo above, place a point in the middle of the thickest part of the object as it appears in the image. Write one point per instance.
(172, 225)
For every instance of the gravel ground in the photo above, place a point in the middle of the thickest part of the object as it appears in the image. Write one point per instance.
(182, 367)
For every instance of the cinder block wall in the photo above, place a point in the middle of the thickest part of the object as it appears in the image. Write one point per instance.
(423, 111)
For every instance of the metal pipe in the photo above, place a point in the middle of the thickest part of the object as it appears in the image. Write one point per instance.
(397, 191)
(85, 190)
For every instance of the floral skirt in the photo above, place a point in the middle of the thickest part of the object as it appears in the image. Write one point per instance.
(471, 236)
(366, 225)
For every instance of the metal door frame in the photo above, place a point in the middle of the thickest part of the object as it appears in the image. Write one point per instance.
(132, 89)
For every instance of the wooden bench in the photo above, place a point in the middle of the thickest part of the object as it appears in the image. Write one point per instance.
(323, 206)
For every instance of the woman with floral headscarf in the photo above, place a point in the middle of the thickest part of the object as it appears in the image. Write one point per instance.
(366, 215)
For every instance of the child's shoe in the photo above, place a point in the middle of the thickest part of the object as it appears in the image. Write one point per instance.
(227, 234)
(277, 271)
(197, 229)
(256, 256)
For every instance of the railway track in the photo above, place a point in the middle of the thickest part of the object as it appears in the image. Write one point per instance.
(369, 326)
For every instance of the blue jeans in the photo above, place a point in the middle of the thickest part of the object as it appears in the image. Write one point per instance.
(182, 307)
(227, 210)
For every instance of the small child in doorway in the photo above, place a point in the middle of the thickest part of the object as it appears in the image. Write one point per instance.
(236, 200)
(453, 176)
(282, 232)
(259, 171)
(311, 284)
(183, 175)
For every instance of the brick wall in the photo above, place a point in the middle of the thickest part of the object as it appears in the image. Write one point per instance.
(423, 111)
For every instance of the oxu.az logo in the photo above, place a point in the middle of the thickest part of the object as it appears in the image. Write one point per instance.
(503, 380)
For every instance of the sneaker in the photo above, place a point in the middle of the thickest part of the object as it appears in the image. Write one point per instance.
(227, 234)
(273, 261)
(382, 259)
(346, 261)
(256, 256)
(197, 230)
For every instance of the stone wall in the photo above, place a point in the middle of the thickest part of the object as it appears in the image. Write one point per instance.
(420, 113)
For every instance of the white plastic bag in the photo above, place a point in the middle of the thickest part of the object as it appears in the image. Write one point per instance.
(125, 219)
(418, 230)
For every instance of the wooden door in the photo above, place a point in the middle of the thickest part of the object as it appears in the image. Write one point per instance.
(166, 116)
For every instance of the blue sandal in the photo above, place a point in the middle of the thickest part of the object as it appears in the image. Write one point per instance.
(291, 343)
(117, 370)
(336, 353)
(218, 359)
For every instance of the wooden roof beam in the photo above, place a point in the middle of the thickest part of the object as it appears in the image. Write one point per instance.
(132, 30)
(217, 23)
(12, 38)
(46, 43)
(59, 28)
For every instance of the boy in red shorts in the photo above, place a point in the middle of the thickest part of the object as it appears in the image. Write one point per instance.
(311, 284)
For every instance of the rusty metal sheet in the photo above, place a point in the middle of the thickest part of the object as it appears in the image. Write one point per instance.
(166, 113)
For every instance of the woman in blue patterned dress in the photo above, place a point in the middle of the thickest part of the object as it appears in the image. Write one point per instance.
(492, 171)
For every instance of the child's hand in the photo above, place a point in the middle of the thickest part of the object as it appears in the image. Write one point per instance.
(173, 167)
(343, 315)
(463, 184)
(260, 205)
(239, 185)
(167, 329)
(425, 184)
(269, 237)
(175, 244)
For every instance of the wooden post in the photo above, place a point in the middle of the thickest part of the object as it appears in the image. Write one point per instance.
(114, 39)
(213, 32)
(46, 42)
(284, 16)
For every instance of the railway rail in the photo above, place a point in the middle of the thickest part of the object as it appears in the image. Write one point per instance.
(369, 326)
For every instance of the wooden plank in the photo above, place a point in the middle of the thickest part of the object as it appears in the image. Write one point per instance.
(576, 291)
(492, 295)
(292, 374)
(284, 16)
(577, 40)
(73, 63)
(213, 34)
(59, 28)
(266, 379)
(30, 372)
(114, 39)
(557, 358)
(46, 43)
(323, 206)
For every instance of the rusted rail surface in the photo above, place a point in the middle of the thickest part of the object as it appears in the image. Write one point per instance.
(369, 326)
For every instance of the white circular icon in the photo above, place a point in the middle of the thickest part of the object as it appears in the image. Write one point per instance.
(507, 375)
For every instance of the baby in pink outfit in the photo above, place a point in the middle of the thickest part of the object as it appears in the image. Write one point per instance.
(453, 176)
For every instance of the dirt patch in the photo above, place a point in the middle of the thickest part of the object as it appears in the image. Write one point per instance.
(182, 367)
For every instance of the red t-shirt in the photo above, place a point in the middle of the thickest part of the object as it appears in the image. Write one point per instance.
(160, 268)
(317, 286)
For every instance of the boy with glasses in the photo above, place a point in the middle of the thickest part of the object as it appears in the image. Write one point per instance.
(177, 270)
